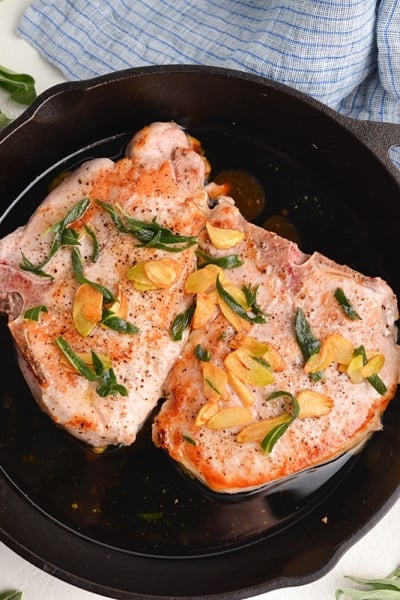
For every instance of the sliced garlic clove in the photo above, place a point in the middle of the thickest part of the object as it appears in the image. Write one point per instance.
(248, 369)
(87, 308)
(313, 404)
(341, 349)
(215, 381)
(354, 369)
(230, 416)
(206, 412)
(244, 393)
(162, 273)
(201, 280)
(373, 366)
(256, 432)
(205, 310)
(223, 238)
(141, 282)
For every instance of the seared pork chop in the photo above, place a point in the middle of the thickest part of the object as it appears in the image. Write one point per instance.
(100, 268)
(291, 361)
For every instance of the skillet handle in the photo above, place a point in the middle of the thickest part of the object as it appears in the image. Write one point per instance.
(380, 137)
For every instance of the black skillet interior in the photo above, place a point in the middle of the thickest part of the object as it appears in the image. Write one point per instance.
(119, 516)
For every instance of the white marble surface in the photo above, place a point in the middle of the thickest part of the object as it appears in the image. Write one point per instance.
(376, 554)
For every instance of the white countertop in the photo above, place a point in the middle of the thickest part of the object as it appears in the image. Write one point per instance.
(376, 554)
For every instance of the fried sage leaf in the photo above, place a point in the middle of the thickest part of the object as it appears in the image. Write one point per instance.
(106, 378)
(345, 305)
(306, 340)
(374, 380)
(202, 354)
(305, 337)
(113, 321)
(256, 317)
(95, 251)
(77, 266)
(189, 440)
(33, 313)
(181, 322)
(149, 233)
(231, 261)
(63, 236)
(277, 432)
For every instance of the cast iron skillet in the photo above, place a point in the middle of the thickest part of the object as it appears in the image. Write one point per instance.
(127, 524)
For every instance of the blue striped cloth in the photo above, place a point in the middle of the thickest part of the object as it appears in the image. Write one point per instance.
(345, 53)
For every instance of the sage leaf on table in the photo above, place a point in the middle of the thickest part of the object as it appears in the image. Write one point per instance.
(11, 595)
(20, 88)
(4, 120)
(387, 588)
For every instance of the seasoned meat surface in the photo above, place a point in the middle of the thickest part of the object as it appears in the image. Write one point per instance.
(222, 401)
(284, 361)
(160, 178)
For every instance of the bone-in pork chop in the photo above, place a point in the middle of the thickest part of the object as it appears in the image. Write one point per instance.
(291, 360)
(92, 282)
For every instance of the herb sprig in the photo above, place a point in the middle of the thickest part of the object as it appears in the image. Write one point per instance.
(308, 343)
(113, 321)
(251, 299)
(273, 436)
(255, 314)
(33, 313)
(231, 261)
(106, 378)
(63, 236)
(181, 322)
(150, 234)
(20, 88)
(77, 266)
(202, 354)
(387, 588)
(305, 337)
(345, 305)
(95, 244)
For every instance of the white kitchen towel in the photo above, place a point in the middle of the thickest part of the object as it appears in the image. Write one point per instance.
(345, 53)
